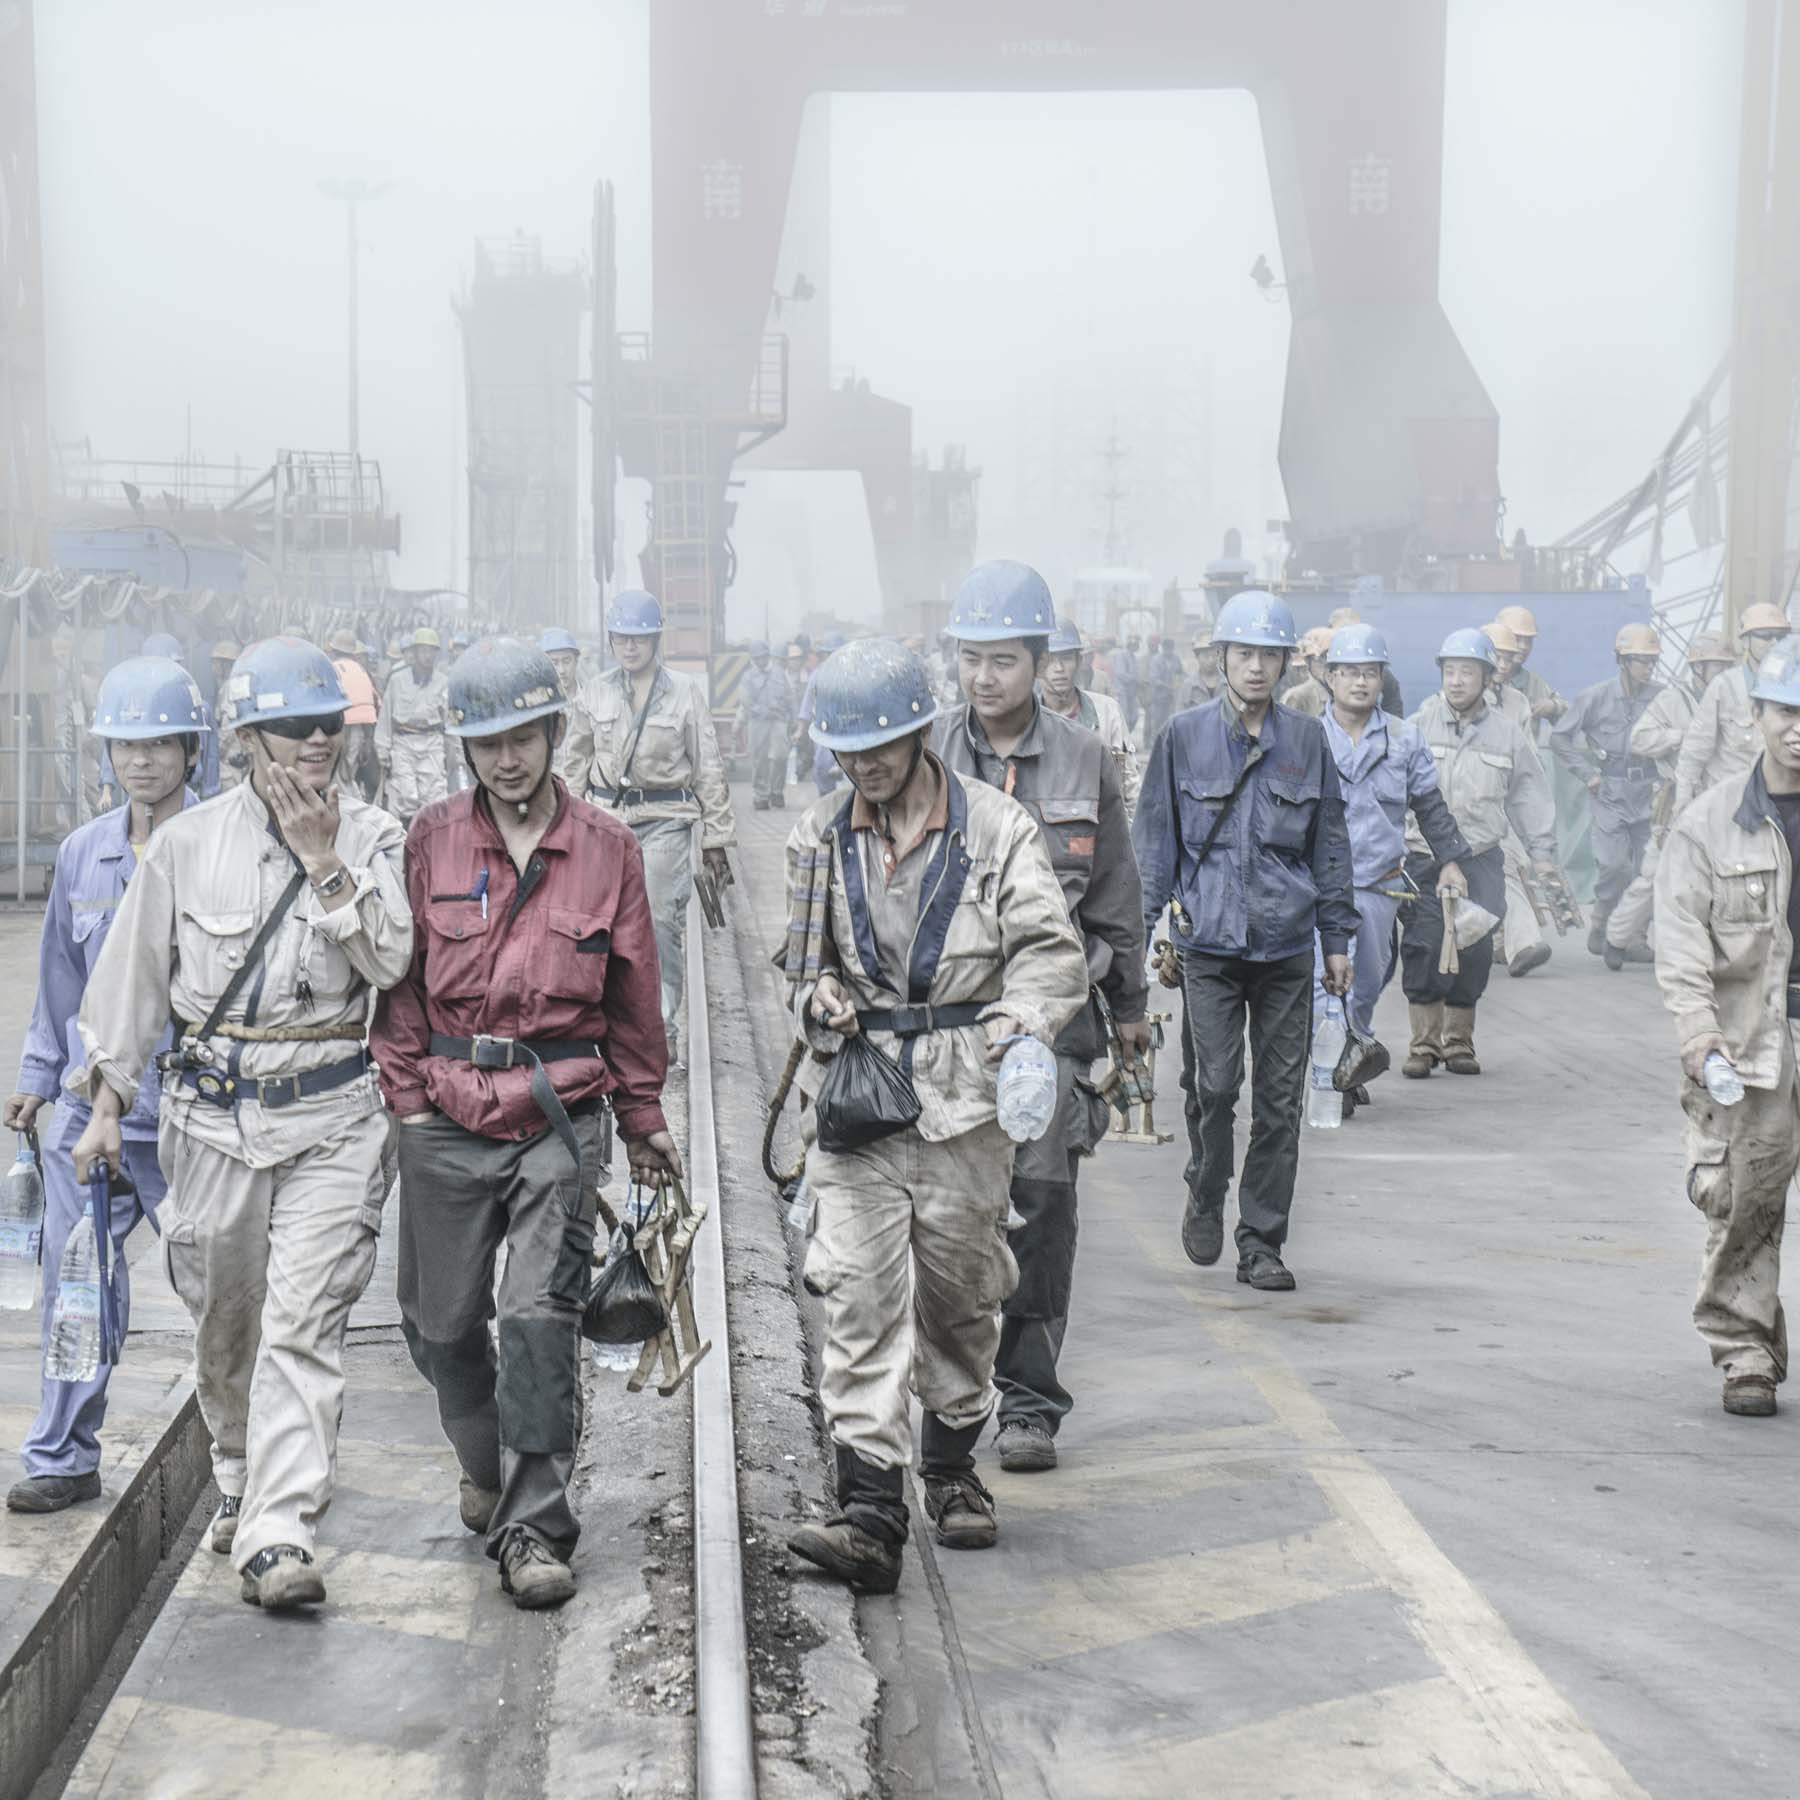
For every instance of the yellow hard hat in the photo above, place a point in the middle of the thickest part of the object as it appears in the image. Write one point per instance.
(1316, 642)
(1345, 615)
(1519, 621)
(1763, 617)
(1502, 637)
(426, 639)
(1709, 647)
(1637, 639)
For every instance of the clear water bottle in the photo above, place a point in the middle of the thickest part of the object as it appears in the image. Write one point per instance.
(21, 1232)
(74, 1352)
(1025, 1090)
(1723, 1082)
(1324, 1104)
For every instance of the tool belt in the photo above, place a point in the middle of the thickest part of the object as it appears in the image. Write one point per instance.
(189, 1049)
(642, 796)
(274, 1091)
(915, 1021)
(487, 1052)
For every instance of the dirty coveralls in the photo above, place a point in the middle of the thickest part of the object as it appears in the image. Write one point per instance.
(1062, 775)
(1721, 739)
(909, 1245)
(561, 957)
(766, 713)
(1100, 713)
(275, 1181)
(663, 784)
(1593, 741)
(94, 865)
(1724, 959)
(1656, 737)
(410, 740)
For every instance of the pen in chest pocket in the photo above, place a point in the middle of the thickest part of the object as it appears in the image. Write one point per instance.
(479, 892)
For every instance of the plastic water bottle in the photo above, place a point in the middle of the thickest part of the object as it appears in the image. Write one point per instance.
(1025, 1090)
(1723, 1082)
(74, 1352)
(1324, 1104)
(21, 1231)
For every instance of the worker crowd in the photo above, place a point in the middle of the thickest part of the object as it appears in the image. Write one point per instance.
(343, 939)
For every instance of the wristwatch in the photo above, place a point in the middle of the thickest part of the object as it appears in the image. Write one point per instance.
(332, 883)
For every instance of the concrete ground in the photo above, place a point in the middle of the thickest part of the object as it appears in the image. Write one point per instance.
(1460, 1516)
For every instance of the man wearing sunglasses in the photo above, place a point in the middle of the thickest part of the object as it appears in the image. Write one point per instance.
(260, 922)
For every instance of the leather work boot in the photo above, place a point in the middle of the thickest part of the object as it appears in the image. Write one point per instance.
(282, 1577)
(51, 1493)
(532, 1575)
(1613, 957)
(475, 1505)
(223, 1532)
(1750, 1396)
(1459, 1041)
(1427, 1048)
(1203, 1232)
(1533, 956)
(1597, 938)
(962, 1510)
(865, 1562)
(1025, 1447)
(1261, 1268)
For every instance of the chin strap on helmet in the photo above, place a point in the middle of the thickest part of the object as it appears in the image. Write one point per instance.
(912, 768)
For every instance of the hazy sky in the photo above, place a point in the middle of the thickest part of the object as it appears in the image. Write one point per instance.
(1019, 268)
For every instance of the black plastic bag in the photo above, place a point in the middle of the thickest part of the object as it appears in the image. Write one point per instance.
(623, 1306)
(863, 1098)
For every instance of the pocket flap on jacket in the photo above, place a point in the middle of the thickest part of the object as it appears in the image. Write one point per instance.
(223, 924)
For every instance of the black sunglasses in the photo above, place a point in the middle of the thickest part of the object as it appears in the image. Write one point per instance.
(301, 729)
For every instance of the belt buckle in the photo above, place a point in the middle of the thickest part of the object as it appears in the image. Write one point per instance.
(269, 1091)
(911, 1021)
(487, 1052)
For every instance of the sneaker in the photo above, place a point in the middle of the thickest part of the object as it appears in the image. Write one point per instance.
(1262, 1268)
(51, 1493)
(1533, 956)
(475, 1506)
(962, 1511)
(1750, 1396)
(866, 1562)
(532, 1575)
(1025, 1447)
(225, 1523)
(1203, 1232)
(282, 1577)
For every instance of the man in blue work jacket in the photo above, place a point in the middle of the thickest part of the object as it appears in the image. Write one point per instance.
(1240, 824)
(154, 721)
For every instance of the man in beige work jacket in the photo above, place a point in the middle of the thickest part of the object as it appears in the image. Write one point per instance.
(410, 736)
(260, 922)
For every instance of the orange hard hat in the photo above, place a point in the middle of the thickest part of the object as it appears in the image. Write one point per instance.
(1763, 617)
(1519, 620)
(1316, 642)
(1502, 637)
(1709, 647)
(1637, 639)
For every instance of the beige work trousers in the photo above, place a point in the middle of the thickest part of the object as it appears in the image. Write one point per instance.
(909, 1250)
(1521, 930)
(1629, 924)
(416, 773)
(1740, 1161)
(269, 1262)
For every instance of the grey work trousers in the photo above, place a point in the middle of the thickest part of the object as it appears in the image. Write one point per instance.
(514, 1419)
(768, 760)
(668, 847)
(1619, 835)
(1220, 994)
(1035, 1317)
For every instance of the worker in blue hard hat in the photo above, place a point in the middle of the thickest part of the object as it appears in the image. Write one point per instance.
(1491, 778)
(153, 718)
(1727, 928)
(411, 738)
(261, 922)
(1060, 690)
(574, 758)
(1240, 828)
(657, 766)
(767, 705)
(944, 879)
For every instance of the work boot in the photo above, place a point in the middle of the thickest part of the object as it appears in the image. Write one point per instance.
(1750, 1396)
(532, 1575)
(1260, 1267)
(867, 1563)
(282, 1577)
(1614, 957)
(1025, 1447)
(1427, 1048)
(475, 1505)
(759, 806)
(1459, 1041)
(223, 1532)
(1203, 1231)
(961, 1509)
(51, 1493)
(1533, 956)
(1640, 953)
(1597, 938)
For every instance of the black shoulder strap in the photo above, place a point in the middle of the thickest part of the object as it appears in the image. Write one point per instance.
(631, 743)
(1252, 757)
(252, 961)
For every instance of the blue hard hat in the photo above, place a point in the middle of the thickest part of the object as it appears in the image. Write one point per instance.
(1065, 638)
(999, 600)
(1356, 644)
(499, 683)
(148, 697)
(556, 637)
(870, 693)
(162, 643)
(634, 613)
(1471, 645)
(1256, 617)
(282, 678)
(1778, 674)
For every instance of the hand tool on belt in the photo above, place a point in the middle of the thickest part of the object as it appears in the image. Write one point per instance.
(488, 1052)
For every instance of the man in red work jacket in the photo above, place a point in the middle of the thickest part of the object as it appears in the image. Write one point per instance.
(532, 1002)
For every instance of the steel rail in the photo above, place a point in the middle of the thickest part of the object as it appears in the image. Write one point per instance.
(724, 1732)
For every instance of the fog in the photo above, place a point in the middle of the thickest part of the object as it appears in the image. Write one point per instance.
(1020, 269)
